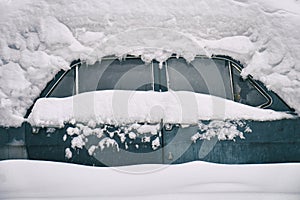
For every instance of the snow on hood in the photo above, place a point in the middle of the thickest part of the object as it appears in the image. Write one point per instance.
(127, 107)
(38, 38)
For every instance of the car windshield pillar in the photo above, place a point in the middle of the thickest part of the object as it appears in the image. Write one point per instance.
(160, 77)
(65, 86)
(247, 92)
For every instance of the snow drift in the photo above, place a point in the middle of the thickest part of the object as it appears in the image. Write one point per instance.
(127, 107)
(194, 180)
(38, 38)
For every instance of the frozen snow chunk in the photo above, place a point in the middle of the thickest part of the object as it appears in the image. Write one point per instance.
(87, 131)
(111, 134)
(50, 130)
(132, 135)
(92, 149)
(73, 131)
(72, 121)
(108, 142)
(146, 139)
(223, 130)
(78, 142)
(98, 132)
(122, 137)
(155, 143)
(68, 153)
(147, 128)
(248, 130)
(195, 137)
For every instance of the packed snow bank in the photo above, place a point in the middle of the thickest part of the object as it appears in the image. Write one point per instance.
(197, 180)
(125, 107)
(38, 38)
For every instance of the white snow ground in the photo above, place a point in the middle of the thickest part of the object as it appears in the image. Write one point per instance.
(32, 180)
(38, 38)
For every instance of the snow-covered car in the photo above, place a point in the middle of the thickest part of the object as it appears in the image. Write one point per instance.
(125, 111)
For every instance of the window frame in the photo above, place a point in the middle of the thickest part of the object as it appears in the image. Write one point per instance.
(249, 78)
(60, 78)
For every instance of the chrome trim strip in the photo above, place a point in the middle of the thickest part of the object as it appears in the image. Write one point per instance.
(152, 70)
(231, 79)
(167, 75)
(55, 84)
(76, 80)
(62, 76)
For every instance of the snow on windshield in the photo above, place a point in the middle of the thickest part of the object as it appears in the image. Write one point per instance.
(38, 38)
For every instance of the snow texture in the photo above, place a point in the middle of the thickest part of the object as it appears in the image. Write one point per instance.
(195, 180)
(127, 107)
(38, 38)
(223, 130)
(103, 136)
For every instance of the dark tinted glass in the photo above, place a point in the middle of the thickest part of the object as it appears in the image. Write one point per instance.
(89, 76)
(207, 76)
(66, 86)
(129, 74)
(245, 92)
